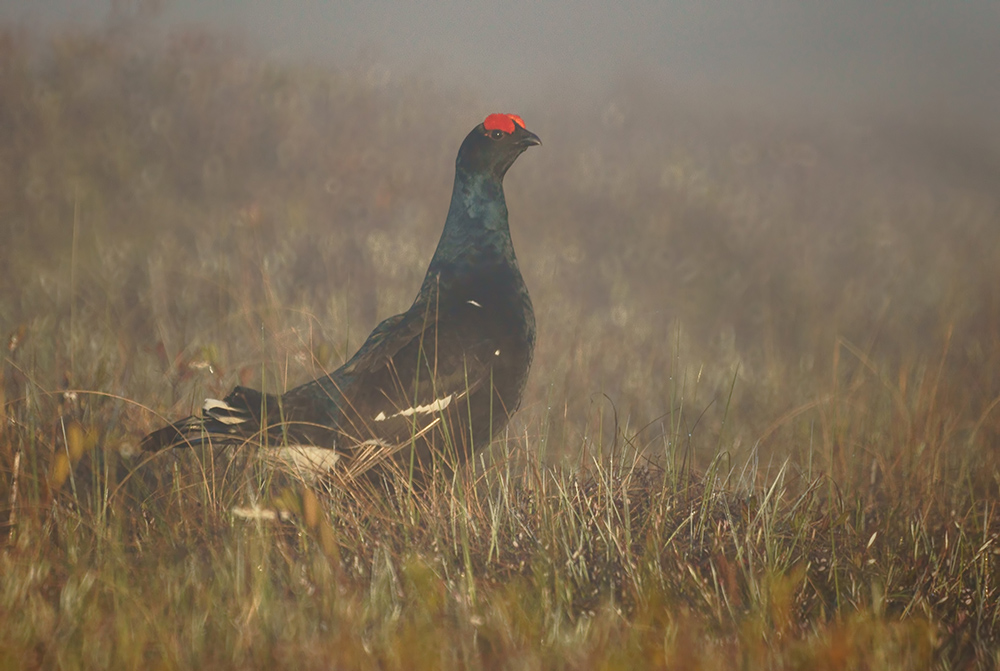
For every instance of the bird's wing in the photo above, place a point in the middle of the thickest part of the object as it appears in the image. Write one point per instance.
(412, 371)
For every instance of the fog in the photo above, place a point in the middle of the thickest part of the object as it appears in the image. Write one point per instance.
(922, 60)
(762, 242)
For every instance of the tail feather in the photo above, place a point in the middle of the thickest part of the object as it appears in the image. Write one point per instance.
(236, 417)
(187, 431)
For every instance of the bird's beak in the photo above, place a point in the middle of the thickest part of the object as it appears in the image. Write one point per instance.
(528, 139)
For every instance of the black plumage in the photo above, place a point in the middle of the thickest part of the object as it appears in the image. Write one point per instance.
(441, 378)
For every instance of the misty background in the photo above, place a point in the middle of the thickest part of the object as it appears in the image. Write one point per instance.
(926, 61)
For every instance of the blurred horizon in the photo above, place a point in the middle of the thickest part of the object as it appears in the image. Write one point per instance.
(922, 64)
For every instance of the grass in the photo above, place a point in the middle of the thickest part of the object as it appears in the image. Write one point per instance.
(761, 430)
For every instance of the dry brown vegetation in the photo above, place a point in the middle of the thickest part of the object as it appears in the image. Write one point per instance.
(761, 430)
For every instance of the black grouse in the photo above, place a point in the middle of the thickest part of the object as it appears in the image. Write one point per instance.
(439, 380)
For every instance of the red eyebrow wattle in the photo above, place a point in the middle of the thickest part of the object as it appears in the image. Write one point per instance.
(503, 122)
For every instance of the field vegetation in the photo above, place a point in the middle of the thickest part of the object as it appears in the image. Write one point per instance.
(761, 430)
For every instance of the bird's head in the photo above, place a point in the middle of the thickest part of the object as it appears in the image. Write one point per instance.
(493, 145)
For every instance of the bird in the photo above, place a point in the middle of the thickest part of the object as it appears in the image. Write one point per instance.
(428, 387)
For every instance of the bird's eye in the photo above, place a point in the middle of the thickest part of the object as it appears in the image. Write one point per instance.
(497, 134)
